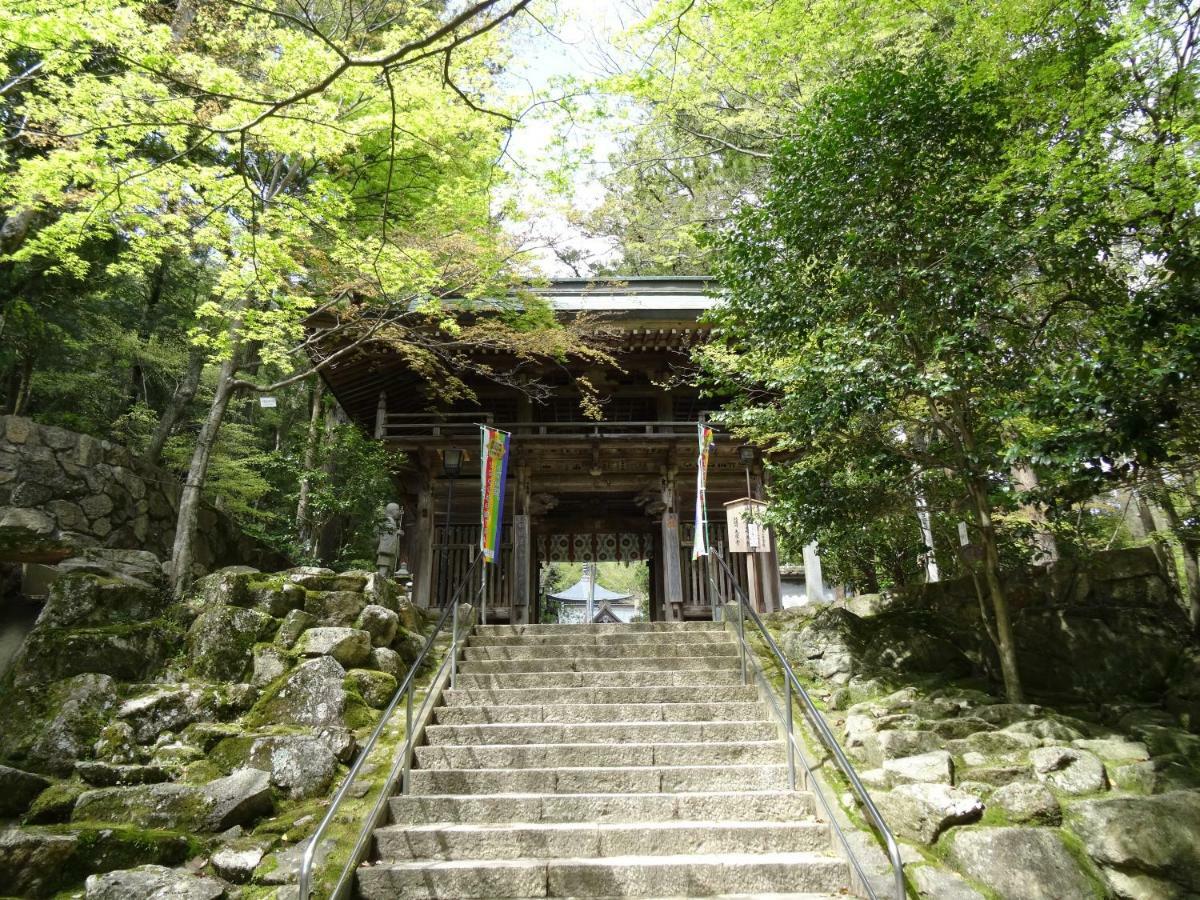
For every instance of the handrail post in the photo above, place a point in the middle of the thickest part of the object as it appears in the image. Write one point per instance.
(742, 637)
(791, 746)
(454, 648)
(409, 749)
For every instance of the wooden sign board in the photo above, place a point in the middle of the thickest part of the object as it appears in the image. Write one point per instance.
(747, 530)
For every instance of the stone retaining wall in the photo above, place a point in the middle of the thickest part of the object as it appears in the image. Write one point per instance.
(61, 491)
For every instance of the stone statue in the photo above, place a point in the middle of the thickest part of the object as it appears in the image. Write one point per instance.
(387, 557)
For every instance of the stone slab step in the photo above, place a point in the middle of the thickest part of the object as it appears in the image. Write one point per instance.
(703, 875)
(556, 664)
(645, 627)
(838, 896)
(761, 806)
(600, 712)
(600, 779)
(490, 694)
(547, 756)
(508, 840)
(627, 678)
(623, 651)
(586, 639)
(601, 733)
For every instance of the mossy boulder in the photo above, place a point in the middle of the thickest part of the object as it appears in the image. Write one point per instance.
(32, 864)
(295, 623)
(303, 766)
(82, 600)
(167, 709)
(376, 688)
(236, 799)
(48, 730)
(18, 789)
(349, 646)
(313, 694)
(381, 623)
(221, 640)
(55, 803)
(129, 651)
(152, 882)
(335, 608)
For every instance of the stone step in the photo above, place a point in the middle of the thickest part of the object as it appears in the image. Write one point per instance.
(508, 840)
(600, 779)
(585, 639)
(478, 695)
(762, 806)
(703, 875)
(547, 756)
(600, 712)
(657, 649)
(601, 733)
(630, 678)
(645, 627)
(809, 896)
(600, 664)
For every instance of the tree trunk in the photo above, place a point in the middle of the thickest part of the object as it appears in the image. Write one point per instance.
(1187, 549)
(24, 388)
(1151, 533)
(189, 499)
(1005, 645)
(303, 526)
(1026, 480)
(185, 392)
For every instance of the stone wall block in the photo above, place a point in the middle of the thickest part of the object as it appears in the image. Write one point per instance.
(93, 491)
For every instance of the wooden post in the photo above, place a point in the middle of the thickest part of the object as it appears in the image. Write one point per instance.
(672, 576)
(522, 589)
(381, 409)
(768, 577)
(421, 549)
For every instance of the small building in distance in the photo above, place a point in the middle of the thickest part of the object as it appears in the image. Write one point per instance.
(607, 606)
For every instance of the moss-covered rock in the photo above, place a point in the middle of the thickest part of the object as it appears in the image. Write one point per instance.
(18, 790)
(376, 688)
(221, 640)
(295, 623)
(34, 863)
(55, 803)
(335, 608)
(314, 694)
(381, 623)
(236, 799)
(349, 646)
(81, 600)
(129, 651)
(48, 729)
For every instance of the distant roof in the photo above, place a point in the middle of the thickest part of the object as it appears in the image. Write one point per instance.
(578, 592)
(662, 293)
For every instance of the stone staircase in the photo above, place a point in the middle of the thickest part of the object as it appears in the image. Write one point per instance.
(601, 761)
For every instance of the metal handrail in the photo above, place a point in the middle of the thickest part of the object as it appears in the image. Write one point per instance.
(406, 689)
(792, 685)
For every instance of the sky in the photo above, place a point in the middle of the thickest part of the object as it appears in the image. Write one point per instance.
(563, 40)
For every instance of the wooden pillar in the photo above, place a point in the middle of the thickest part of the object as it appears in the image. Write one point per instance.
(770, 585)
(421, 550)
(672, 573)
(522, 552)
(381, 416)
(656, 579)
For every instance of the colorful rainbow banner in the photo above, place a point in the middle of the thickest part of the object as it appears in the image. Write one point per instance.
(494, 469)
(700, 542)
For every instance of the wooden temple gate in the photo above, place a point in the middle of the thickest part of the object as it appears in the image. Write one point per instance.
(578, 490)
